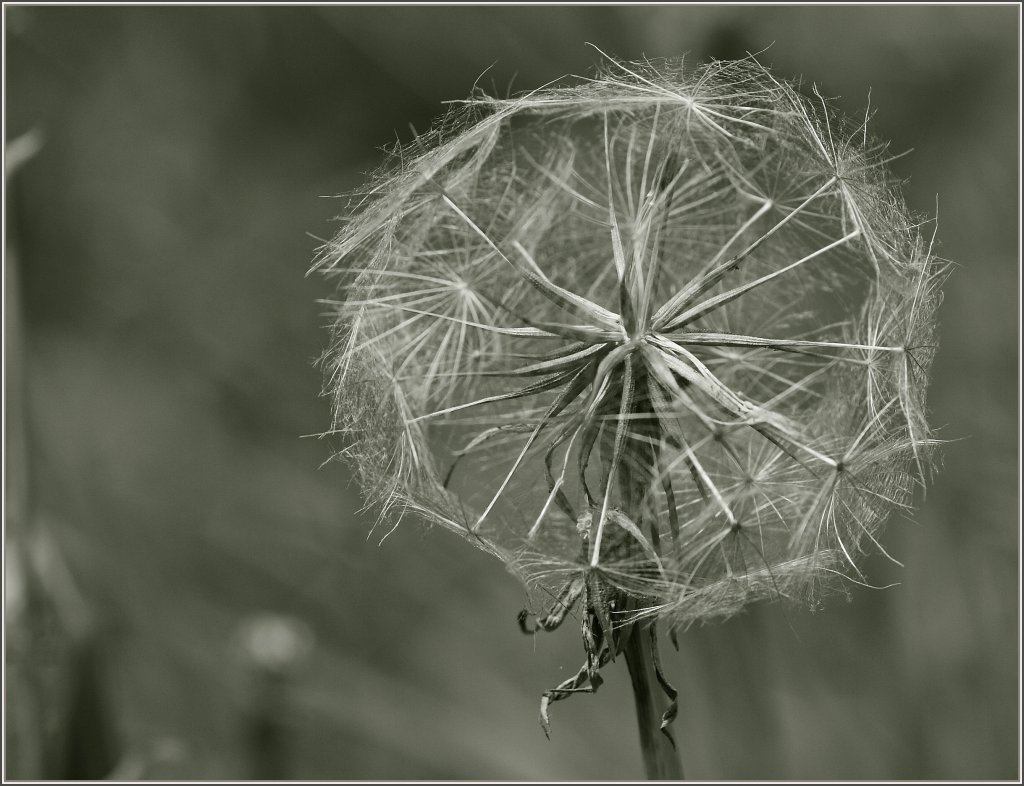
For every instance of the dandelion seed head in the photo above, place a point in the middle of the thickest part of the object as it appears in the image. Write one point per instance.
(683, 309)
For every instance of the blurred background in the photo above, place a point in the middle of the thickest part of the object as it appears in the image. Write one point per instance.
(189, 594)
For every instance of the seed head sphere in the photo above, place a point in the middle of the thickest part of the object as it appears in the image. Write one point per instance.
(671, 324)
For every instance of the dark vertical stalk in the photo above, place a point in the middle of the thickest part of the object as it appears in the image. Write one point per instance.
(661, 759)
(267, 728)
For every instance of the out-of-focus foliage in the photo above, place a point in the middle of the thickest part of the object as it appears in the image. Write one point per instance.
(163, 366)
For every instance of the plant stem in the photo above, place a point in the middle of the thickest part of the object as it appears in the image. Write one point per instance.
(635, 477)
(661, 759)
